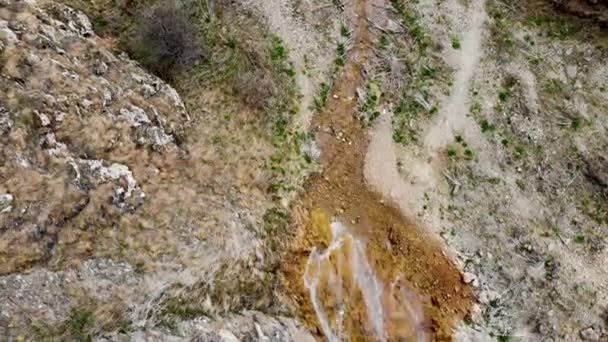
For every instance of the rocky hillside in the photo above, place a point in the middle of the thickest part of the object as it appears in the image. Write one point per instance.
(76, 119)
(121, 209)
(301, 170)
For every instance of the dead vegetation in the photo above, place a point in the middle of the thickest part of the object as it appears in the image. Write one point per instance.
(166, 39)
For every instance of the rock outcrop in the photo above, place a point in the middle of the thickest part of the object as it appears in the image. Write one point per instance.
(70, 111)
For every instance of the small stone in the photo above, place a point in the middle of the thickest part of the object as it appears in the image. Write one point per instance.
(571, 71)
(107, 97)
(101, 68)
(148, 91)
(86, 103)
(258, 330)
(44, 120)
(486, 297)
(468, 278)
(137, 78)
(6, 203)
(589, 334)
(335, 96)
(59, 116)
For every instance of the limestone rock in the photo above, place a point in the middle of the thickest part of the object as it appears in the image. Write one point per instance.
(590, 334)
(74, 121)
(6, 203)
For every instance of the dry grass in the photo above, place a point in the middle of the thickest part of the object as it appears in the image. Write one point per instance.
(236, 155)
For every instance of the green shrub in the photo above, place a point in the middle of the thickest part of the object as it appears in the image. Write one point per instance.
(79, 324)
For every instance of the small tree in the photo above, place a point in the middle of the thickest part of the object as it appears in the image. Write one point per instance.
(166, 39)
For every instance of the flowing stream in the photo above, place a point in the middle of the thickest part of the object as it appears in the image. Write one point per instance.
(351, 302)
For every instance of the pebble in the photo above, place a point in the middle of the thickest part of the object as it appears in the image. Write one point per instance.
(590, 334)
(468, 278)
(6, 203)
(571, 71)
(44, 120)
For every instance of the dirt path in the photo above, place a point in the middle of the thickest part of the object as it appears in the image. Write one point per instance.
(452, 116)
(397, 248)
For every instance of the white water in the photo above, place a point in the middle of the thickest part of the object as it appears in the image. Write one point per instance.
(366, 282)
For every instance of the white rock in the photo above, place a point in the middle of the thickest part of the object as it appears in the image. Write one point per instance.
(101, 68)
(589, 334)
(258, 330)
(6, 203)
(9, 36)
(107, 97)
(44, 120)
(135, 116)
(86, 103)
(149, 90)
(111, 173)
(468, 278)
(158, 136)
(227, 336)
(571, 71)
(59, 116)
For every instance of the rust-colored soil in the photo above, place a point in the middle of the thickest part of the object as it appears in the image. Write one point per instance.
(396, 245)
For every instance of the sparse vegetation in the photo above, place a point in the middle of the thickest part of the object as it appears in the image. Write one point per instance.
(79, 324)
(178, 308)
(486, 126)
(504, 95)
(460, 149)
(368, 106)
(322, 96)
(412, 76)
(452, 152)
(554, 27)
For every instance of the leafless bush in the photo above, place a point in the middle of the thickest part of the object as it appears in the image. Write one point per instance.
(166, 39)
(256, 87)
